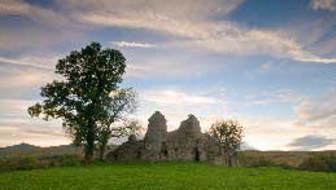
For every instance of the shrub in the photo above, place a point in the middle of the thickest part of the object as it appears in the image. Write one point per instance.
(24, 163)
(325, 163)
(62, 160)
(256, 162)
(27, 163)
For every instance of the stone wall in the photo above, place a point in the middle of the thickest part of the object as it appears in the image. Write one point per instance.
(155, 138)
(187, 143)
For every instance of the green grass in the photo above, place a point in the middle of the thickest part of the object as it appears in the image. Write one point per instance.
(165, 176)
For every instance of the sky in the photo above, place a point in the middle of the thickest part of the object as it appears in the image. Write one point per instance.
(270, 64)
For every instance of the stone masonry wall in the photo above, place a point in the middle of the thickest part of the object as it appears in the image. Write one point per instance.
(187, 143)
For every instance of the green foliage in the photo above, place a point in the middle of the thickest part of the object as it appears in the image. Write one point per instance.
(228, 134)
(32, 162)
(88, 99)
(303, 160)
(166, 176)
(325, 163)
(260, 161)
(61, 160)
(127, 128)
(122, 129)
(27, 163)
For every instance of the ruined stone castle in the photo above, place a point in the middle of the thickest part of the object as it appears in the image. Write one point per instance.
(187, 143)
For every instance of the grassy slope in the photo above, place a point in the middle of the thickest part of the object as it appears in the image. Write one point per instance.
(166, 176)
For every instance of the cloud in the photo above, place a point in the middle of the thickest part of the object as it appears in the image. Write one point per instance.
(171, 97)
(317, 109)
(311, 142)
(329, 5)
(14, 109)
(269, 133)
(167, 66)
(32, 37)
(48, 26)
(218, 36)
(276, 96)
(43, 134)
(39, 62)
(317, 114)
(177, 104)
(172, 8)
(193, 21)
(36, 13)
(24, 81)
(26, 72)
(246, 146)
(123, 44)
(17, 127)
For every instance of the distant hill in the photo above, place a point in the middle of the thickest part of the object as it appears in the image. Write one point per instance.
(23, 147)
(23, 150)
(27, 150)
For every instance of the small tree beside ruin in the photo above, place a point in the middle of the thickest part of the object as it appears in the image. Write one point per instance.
(229, 135)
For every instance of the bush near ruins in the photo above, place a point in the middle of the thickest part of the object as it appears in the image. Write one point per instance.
(229, 134)
(322, 162)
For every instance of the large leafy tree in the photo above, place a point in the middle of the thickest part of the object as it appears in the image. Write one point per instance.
(229, 135)
(88, 99)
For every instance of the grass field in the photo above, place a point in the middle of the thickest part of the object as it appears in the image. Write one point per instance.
(165, 176)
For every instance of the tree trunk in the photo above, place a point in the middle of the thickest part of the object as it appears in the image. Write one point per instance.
(232, 158)
(229, 159)
(236, 158)
(90, 139)
(102, 149)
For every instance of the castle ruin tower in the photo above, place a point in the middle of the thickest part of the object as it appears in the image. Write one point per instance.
(156, 136)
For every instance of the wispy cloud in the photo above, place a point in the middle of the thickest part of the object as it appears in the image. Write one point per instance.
(14, 105)
(277, 96)
(39, 62)
(166, 66)
(319, 108)
(329, 5)
(193, 21)
(133, 44)
(46, 27)
(219, 36)
(25, 72)
(318, 115)
(43, 134)
(311, 142)
(16, 126)
(172, 97)
(36, 13)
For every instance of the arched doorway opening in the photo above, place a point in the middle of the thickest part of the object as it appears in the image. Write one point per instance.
(196, 154)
